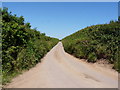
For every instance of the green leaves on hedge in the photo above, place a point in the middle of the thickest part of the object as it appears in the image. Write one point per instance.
(22, 47)
(96, 42)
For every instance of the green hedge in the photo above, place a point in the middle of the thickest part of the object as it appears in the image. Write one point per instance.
(96, 42)
(22, 47)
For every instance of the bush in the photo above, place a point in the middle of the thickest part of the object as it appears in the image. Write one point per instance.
(22, 47)
(95, 42)
(92, 57)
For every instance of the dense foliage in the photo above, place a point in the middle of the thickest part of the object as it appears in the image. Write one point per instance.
(96, 42)
(22, 47)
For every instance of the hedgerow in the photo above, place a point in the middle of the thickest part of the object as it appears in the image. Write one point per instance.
(96, 42)
(22, 47)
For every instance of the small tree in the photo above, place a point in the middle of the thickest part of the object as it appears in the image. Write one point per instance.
(111, 21)
(119, 19)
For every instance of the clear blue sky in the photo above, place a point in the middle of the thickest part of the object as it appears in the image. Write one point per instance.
(60, 19)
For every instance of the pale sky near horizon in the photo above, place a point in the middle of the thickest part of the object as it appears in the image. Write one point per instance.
(59, 19)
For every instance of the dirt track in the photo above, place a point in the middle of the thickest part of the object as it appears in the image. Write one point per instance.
(61, 70)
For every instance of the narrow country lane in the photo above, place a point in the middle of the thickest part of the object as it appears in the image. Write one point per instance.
(58, 69)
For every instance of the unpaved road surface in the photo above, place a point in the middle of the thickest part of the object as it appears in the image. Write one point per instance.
(61, 70)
